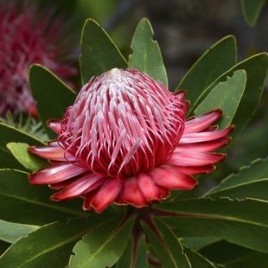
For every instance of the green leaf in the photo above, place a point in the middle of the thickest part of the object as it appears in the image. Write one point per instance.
(98, 52)
(225, 96)
(251, 10)
(250, 182)
(146, 56)
(3, 247)
(26, 124)
(11, 232)
(242, 222)
(29, 161)
(51, 94)
(231, 252)
(197, 260)
(196, 243)
(256, 69)
(255, 259)
(11, 134)
(135, 255)
(103, 245)
(252, 144)
(165, 245)
(215, 61)
(49, 246)
(23, 203)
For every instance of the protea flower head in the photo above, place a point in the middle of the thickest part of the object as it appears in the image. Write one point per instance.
(125, 140)
(27, 37)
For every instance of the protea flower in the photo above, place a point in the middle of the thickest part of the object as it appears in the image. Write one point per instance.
(27, 38)
(125, 140)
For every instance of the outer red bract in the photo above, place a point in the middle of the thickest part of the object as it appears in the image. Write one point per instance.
(126, 140)
(27, 37)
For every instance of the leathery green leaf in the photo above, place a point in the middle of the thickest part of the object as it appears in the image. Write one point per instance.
(98, 52)
(49, 246)
(135, 254)
(102, 246)
(256, 69)
(10, 232)
(242, 222)
(212, 64)
(197, 260)
(51, 94)
(225, 96)
(255, 259)
(165, 245)
(27, 204)
(11, 134)
(146, 56)
(29, 161)
(250, 182)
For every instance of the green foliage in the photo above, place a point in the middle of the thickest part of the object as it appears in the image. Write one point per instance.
(12, 134)
(250, 182)
(251, 10)
(242, 222)
(198, 260)
(146, 56)
(135, 254)
(49, 246)
(17, 195)
(98, 52)
(225, 96)
(51, 100)
(10, 232)
(251, 260)
(214, 62)
(165, 245)
(29, 161)
(256, 70)
(26, 124)
(103, 245)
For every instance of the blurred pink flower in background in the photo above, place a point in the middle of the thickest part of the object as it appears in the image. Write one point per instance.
(126, 140)
(27, 37)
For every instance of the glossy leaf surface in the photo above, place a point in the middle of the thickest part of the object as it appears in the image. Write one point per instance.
(165, 246)
(226, 96)
(242, 222)
(24, 203)
(11, 232)
(49, 246)
(250, 182)
(212, 64)
(103, 245)
(29, 161)
(135, 255)
(98, 52)
(11, 134)
(146, 56)
(51, 94)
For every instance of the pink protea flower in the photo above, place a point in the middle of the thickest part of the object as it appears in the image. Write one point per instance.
(126, 140)
(27, 38)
